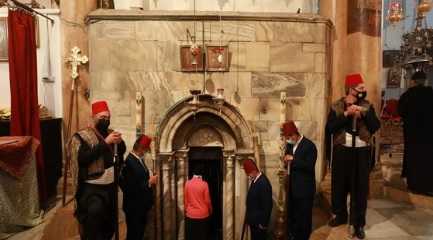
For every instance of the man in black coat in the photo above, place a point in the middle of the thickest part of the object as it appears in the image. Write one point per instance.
(416, 109)
(301, 155)
(136, 184)
(352, 122)
(259, 201)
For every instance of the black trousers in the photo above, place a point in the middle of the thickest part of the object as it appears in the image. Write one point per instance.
(257, 233)
(135, 225)
(350, 175)
(96, 211)
(197, 229)
(300, 215)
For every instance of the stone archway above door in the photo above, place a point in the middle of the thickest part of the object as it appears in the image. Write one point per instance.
(224, 117)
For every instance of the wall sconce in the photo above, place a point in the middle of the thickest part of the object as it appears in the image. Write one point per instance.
(219, 98)
(195, 99)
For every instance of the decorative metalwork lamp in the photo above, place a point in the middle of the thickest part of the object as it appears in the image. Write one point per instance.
(395, 12)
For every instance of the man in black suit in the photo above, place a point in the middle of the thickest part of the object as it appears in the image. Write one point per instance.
(300, 157)
(136, 184)
(259, 201)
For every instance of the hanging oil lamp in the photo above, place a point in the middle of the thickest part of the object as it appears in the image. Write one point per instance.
(395, 12)
(424, 7)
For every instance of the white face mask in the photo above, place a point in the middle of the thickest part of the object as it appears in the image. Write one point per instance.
(290, 141)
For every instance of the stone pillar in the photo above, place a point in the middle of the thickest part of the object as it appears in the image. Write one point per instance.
(336, 11)
(228, 198)
(76, 35)
(181, 178)
(168, 217)
(356, 22)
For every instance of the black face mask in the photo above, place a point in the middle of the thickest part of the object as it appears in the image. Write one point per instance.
(102, 125)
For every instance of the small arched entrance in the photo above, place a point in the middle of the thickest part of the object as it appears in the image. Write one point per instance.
(213, 133)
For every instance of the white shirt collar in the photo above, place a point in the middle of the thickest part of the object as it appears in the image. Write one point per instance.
(257, 177)
(135, 155)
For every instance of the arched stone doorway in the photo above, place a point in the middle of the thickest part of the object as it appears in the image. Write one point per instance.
(208, 124)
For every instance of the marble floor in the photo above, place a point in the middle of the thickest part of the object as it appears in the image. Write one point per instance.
(386, 220)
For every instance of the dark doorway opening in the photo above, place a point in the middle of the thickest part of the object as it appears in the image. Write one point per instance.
(211, 158)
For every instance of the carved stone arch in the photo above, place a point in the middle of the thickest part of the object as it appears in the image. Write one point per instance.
(181, 112)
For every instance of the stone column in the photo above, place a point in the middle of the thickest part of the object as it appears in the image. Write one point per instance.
(228, 198)
(181, 177)
(168, 199)
(356, 22)
(76, 35)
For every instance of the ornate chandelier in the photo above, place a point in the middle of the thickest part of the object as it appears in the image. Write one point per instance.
(416, 50)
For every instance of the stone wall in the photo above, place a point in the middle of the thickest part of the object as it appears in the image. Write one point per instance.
(307, 6)
(266, 58)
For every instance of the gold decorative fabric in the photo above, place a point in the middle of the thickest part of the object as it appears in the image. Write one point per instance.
(19, 200)
(15, 154)
(90, 137)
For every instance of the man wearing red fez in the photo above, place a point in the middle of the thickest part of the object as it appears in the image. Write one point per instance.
(92, 154)
(136, 183)
(416, 110)
(259, 201)
(300, 157)
(352, 121)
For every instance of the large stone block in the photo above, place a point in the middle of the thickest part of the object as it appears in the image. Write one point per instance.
(257, 56)
(291, 32)
(168, 56)
(314, 47)
(113, 82)
(271, 147)
(238, 56)
(316, 85)
(231, 82)
(266, 84)
(167, 30)
(248, 108)
(132, 55)
(232, 31)
(269, 109)
(320, 63)
(289, 57)
(98, 57)
(113, 30)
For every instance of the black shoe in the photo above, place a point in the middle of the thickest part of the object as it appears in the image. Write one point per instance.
(359, 232)
(337, 221)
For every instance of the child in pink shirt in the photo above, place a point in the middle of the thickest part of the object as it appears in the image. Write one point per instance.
(198, 206)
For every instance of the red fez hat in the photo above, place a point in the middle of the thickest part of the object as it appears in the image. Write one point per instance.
(353, 80)
(250, 166)
(289, 128)
(145, 141)
(99, 106)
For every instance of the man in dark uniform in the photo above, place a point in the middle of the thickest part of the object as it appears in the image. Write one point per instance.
(137, 182)
(301, 155)
(352, 121)
(93, 172)
(416, 109)
(259, 201)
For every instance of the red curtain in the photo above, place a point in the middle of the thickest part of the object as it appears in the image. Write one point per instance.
(24, 86)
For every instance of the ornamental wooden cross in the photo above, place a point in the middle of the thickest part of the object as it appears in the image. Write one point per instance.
(76, 60)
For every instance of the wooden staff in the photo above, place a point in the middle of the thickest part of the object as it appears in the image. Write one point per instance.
(67, 135)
